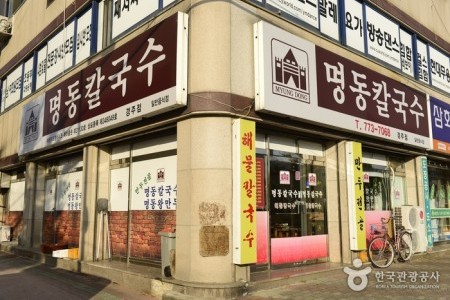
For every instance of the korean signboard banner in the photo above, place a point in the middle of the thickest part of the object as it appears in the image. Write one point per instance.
(355, 191)
(323, 13)
(426, 197)
(440, 125)
(127, 13)
(144, 77)
(154, 184)
(296, 78)
(440, 69)
(305, 11)
(244, 192)
(383, 38)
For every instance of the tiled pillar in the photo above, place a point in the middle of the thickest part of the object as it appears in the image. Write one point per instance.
(334, 204)
(88, 206)
(204, 203)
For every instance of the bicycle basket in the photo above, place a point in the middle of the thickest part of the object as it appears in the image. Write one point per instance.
(378, 229)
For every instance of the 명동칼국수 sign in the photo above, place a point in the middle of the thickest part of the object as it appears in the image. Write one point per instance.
(143, 77)
(316, 85)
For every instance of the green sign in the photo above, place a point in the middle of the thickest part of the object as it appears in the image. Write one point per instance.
(440, 212)
(426, 197)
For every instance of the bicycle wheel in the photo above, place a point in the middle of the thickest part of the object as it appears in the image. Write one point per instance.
(381, 252)
(405, 246)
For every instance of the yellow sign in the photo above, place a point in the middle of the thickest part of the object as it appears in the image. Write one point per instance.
(244, 192)
(356, 205)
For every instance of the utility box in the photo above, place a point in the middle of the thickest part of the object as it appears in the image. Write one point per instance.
(167, 252)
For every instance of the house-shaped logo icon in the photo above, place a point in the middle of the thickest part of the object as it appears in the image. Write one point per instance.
(287, 69)
(290, 71)
(31, 125)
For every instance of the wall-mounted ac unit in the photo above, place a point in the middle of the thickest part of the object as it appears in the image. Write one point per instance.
(5, 181)
(413, 218)
(5, 27)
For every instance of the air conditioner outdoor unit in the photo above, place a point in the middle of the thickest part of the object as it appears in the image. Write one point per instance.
(5, 180)
(413, 218)
(5, 26)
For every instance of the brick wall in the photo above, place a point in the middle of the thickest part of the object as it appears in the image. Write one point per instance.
(63, 227)
(145, 243)
(15, 220)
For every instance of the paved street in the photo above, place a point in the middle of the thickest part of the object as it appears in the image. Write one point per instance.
(22, 278)
(426, 276)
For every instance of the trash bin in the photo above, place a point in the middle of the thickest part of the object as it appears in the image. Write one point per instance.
(167, 252)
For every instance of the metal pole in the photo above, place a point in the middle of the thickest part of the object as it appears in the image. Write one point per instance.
(130, 194)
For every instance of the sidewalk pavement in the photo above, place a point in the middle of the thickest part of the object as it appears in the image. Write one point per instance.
(426, 276)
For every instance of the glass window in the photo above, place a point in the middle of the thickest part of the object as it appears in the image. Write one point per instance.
(439, 182)
(384, 185)
(297, 195)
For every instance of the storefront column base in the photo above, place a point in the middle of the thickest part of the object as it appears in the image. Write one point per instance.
(177, 289)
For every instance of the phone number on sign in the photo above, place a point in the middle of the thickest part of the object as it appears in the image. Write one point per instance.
(373, 128)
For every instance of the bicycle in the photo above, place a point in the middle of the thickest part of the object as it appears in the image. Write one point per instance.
(383, 248)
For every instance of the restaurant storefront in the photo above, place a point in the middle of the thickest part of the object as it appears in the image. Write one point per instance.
(292, 221)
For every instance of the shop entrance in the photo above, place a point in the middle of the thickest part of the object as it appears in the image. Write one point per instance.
(292, 223)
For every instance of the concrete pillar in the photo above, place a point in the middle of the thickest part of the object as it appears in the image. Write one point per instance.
(29, 205)
(414, 182)
(103, 193)
(343, 194)
(334, 204)
(39, 202)
(204, 203)
(88, 209)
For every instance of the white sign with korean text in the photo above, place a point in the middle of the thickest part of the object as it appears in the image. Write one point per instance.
(305, 10)
(16, 196)
(2, 103)
(422, 62)
(13, 86)
(329, 18)
(354, 30)
(27, 83)
(154, 184)
(50, 195)
(383, 39)
(69, 191)
(84, 35)
(119, 190)
(440, 69)
(60, 52)
(406, 53)
(126, 13)
(331, 90)
(41, 71)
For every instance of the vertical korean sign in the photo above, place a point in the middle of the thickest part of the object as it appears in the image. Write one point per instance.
(244, 192)
(355, 196)
(426, 197)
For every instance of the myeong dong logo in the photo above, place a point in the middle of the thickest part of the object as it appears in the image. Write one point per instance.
(31, 132)
(290, 73)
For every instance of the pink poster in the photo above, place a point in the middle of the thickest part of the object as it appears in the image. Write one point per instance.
(262, 231)
(295, 249)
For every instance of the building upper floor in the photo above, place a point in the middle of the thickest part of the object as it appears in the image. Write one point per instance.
(394, 38)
